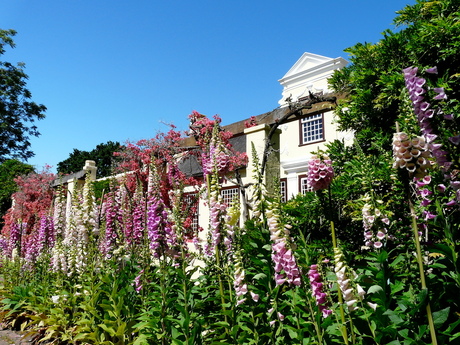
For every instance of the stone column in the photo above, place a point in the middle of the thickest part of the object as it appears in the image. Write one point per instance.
(90, 166)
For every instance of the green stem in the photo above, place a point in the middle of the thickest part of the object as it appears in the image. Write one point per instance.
(315, 324)
(221, 285)
(339, 292)
(186, 302)
(164, 301)
(219, 268)
(422, 272)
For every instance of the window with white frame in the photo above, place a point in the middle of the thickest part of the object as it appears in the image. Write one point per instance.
(312, 129)
(228, 195)
(283, 189)
(304, 187)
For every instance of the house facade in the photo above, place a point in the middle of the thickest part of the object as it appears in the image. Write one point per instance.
(283, 138)
(286, 137)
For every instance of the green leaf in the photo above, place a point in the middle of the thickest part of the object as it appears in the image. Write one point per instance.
(260, 276)
(397, 286)
(267, 247)
(393, 316)
(398, 259)
(440, 316)
(374, 289)
(108, 329)
(394, 342)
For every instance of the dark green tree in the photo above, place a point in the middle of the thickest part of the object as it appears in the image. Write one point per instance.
(9, 170)
(377, 105)
(428, 36)
(17, 112)
(102, 155)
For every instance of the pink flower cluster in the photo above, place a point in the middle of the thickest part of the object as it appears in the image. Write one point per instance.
(3, 245)
(217, 159)
(316, 284)
(412, 154)
(216, 211)
(160, 231)
(320, 172)
(46, 234)
(15, 238)
(286, 269)
(30, 250)
(110, 235)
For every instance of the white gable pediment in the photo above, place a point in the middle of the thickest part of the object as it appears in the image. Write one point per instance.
(309, 73)
(306, 62)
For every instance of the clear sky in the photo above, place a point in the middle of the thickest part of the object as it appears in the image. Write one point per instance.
(116, 70)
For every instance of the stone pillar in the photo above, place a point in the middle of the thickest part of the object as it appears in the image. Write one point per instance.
(90, 166)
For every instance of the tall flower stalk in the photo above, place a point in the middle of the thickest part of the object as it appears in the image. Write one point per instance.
(320, 176)
(424, 114)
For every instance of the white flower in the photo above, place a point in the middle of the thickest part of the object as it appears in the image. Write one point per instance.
(372, 305)
(361, 292)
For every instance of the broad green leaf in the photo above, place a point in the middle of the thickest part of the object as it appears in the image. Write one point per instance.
(393, 316)
(440, 316)
(394, 342)
(260, 276)
(374, 289)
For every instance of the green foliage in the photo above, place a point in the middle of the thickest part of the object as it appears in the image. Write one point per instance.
(102, 154)
(374, 82)
(101, 187)
(17, 112)
(9, 170)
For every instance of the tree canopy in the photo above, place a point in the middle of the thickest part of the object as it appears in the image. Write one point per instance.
(401, 92)
(18, 112)
(428, 36)
(102, 155)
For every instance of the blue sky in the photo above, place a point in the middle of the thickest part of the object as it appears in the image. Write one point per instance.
(117, 70)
